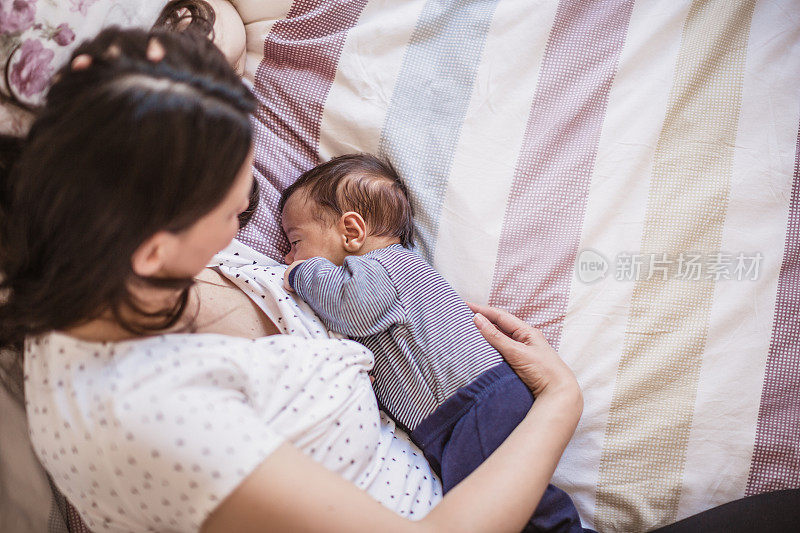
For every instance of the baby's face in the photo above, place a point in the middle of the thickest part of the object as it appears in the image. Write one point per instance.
(309, 236)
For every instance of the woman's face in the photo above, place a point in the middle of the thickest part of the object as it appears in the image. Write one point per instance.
(194, 247)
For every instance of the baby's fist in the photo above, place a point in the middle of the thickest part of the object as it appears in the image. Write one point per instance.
(286, 275)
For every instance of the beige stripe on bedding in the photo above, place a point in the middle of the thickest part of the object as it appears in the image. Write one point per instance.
(650, 417)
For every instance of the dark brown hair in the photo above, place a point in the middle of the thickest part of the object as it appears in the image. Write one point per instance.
(121, 150)
(198, 16)
(188, 15)
(363, 183)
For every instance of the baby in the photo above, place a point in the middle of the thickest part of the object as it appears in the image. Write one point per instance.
(349, 222)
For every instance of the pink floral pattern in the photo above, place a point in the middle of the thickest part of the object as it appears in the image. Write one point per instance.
(31, 72)
(26, 42)
(37, 36)
(20, 16)
(63, 34)
(81, 5)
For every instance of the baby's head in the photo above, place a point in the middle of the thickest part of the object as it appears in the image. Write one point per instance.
(351, 205)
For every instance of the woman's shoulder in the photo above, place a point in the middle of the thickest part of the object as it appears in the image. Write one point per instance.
(126, 376)
(176, 357)
(152, 370)
(237, 254)
(162, 424)
(129, 357)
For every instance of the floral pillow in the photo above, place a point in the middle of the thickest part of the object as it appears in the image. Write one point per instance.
(37, 36)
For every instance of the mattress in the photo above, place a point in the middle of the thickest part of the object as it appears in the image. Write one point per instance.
(622, 175)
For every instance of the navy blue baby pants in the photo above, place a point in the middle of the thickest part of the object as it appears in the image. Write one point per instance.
(471, 424)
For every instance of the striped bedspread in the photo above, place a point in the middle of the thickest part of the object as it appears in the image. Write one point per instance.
(623, 175)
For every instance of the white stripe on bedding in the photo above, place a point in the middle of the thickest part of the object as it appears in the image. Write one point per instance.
(486, 156)
(368, 68)
(594, 328)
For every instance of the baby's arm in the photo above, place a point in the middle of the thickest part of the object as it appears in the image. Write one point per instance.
(357, 299)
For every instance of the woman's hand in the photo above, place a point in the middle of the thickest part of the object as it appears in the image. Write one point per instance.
(526, 350)
(155, 53)
(289, 492)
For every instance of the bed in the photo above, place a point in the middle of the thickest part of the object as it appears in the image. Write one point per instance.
(623, 175)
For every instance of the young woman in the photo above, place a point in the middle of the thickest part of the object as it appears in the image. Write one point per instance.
(158, 392)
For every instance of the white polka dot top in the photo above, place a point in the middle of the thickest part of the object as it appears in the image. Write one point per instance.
(151, 434)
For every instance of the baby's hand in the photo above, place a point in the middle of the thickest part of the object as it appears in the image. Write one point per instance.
(286, 275)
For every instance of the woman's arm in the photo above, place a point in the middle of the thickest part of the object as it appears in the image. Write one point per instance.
(290, 492)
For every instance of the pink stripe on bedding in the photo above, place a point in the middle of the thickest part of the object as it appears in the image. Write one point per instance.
(545, 212)
(776, 456)
(301, 55)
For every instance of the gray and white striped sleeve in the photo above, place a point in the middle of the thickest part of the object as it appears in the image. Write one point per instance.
(357, 299)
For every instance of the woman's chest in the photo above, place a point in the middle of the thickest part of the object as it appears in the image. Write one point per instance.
(227, 310)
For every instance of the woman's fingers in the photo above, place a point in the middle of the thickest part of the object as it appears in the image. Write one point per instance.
(499, 340)
(155, 50)
(517, 329)
(112, 52)
(81, 62)
(531, 362)
(524, 348)
(155, 53)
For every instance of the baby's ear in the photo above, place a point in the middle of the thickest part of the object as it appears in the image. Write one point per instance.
(353, 230)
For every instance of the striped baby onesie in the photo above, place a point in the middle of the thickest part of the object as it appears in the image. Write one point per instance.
(393, 302)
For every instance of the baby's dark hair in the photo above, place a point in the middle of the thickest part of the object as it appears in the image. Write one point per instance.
(363, 183)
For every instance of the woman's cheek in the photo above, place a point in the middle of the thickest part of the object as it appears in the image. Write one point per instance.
(233, 229)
